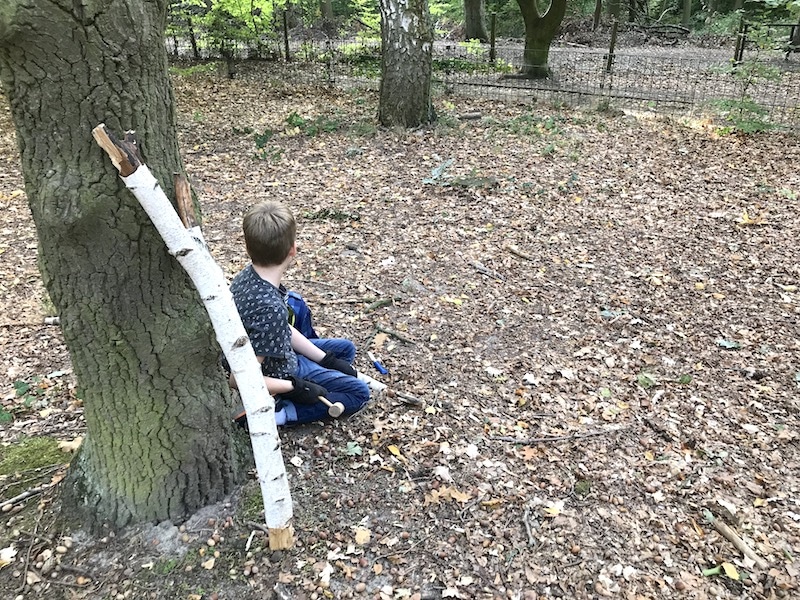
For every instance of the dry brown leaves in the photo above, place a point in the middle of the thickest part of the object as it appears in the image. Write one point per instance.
(599, 311)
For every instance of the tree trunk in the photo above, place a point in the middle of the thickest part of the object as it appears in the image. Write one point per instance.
(158, 440)
(540, 29)
(475, 21)
(407, 36)
(686, 18)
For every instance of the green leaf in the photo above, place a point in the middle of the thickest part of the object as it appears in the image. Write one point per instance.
(646, 380)
(353, 449)
(728, 344)
(685, 379)
(21, 387)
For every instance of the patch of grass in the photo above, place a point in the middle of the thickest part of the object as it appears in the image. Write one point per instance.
(30, 453)
(201, 69)
(363, 129)
(166, 566)
(251, 504)
(312, 127)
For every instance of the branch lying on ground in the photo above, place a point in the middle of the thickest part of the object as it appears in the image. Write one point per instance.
(25, 495)
(517, 252)
(734, 538)
(555, 438)
(394, 334)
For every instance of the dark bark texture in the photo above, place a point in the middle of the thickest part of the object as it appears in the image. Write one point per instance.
(475, 21)
(540, 29)
(406, 62)
(156, 405)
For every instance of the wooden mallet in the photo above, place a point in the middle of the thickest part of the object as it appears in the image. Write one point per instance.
(334, 409)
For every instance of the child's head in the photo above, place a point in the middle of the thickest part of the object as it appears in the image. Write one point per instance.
(269, 233)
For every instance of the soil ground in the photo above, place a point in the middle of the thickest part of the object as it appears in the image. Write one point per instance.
(598, 311)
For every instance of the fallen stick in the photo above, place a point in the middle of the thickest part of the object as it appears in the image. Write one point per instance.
(517, 252)
(24, 495)
(555, 438)
(408, 399)
(394, 334)
(734, 539)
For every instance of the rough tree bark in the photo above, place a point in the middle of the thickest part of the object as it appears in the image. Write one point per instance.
(406, 62)
(540, 29)
(142, 348)
(475, 20)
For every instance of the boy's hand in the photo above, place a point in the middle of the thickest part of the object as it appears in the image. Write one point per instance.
(337, 364)
(304, 392)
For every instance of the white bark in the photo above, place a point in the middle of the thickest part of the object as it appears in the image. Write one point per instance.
(192, 253)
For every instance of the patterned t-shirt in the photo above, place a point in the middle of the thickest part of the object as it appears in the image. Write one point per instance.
(263, 310)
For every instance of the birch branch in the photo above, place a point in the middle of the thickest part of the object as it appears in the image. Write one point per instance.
(188, 247)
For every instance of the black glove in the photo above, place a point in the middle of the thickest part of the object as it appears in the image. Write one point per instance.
(304, 392)
(337, 364)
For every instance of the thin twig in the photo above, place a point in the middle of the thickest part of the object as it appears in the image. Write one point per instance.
(26, 494)
(24, 582)
(37, 536)
(378, 304)
(348, 301)
(259, 526)
(394, 334)
(408, 399)
(517, 252)
(734, 538)
(404, 552)
(528, 528)
(556, 438)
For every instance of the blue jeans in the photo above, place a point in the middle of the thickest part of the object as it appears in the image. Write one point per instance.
(351, 392)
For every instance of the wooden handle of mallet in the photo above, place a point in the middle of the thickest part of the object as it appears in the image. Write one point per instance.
(335, 410)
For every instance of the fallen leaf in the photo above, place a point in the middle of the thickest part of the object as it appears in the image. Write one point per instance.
(730, 571)
(209, 564)
(71, 446)
(363, 535)
(7, 555)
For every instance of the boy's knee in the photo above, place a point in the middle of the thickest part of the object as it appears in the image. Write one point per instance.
(361, 392)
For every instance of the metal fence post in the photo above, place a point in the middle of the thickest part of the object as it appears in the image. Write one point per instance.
(492, 37)
(329, 62)
(286, 36)
(612, 45)
(739, 48)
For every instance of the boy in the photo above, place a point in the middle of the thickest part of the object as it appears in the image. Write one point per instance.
(296, 370)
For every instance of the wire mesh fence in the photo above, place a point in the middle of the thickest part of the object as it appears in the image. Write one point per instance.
(674, 80)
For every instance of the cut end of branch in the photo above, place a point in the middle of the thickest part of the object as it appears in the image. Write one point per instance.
(281, 539)
(183, 198)
(124, 154)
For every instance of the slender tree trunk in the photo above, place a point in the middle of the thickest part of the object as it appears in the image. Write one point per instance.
(686, 19)
(475, 20)
(540, 29)
(407, 35)
(156, 405)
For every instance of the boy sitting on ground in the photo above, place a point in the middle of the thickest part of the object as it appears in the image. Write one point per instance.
(297, 371)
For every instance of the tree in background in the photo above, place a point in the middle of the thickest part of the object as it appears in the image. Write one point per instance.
(158, 442)
(541, 26)
(475, 20)
(406, 64)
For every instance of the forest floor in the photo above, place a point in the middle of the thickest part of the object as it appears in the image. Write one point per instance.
(599, 311)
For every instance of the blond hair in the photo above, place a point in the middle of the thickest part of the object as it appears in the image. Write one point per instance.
(269, 233)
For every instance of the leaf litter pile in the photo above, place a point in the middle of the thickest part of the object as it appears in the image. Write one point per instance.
(590, 326)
